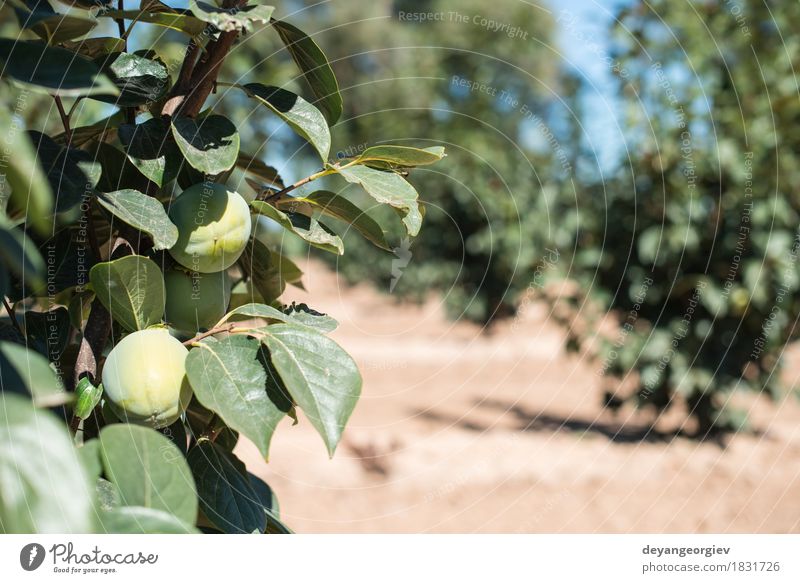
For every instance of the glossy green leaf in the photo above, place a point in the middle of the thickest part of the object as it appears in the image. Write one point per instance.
(307, 228)
(91, 48)
(167, 17)
(335, 205)
(142, 212)
(226, 497)
(400, 156)
(256, 167)
(148, 470)
(210, 145)
(87, 396)
(26, 185)
(150, 148)
(142, 520)
(51, 69)
(72, 173)
(44, 487)
(28, 373)
(267, 499)
(388, 188)
(315, 67)
(261, 269)
(227, 377)
(322, 378)
(39, 17)
(302, 314)
(243, 18)
(305, 119)
(132, 289)
(139, 80)
(19, 254)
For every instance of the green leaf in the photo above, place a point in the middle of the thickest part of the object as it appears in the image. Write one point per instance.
(30, 192)
(142, 212)
(243, 18)
(315, 67)
(89, 456)
(321, 377)
(28, 373)
(167, 17)
(39, 17)
(257, 168)
(20, 255)
(257, 261)
(267, 499)
(400, 156)
(334, 205)
(118, 171)
(148, 469)
(48, 332)
(87, 397)
(307, 228)
(226, 497)
(228, 378)
(302, 314)
(44, 488)
(210, 145)
(388, 188)
(139, 80)
(72, 173)
(142, 520)
(150, 149)
(132, 289)
(51, 69)
(91, 48)
(305, 119)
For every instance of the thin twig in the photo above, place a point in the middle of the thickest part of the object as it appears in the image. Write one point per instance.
(278, 194)
(207, 333)
(12, 315)
(64, 118)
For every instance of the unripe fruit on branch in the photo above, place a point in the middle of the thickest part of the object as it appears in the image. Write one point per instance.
(213, 227)
(195, 300)
(144, 378)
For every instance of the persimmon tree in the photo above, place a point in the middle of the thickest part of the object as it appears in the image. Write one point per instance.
(144, 331)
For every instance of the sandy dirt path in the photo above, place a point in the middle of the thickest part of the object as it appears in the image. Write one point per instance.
(459, 431)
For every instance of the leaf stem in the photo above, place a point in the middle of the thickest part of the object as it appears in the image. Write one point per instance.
(211, 332)
(278, 194)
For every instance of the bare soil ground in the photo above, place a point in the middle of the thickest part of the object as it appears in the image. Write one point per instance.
(462, 431)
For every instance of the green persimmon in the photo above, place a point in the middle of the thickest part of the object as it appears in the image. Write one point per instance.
(144, 378)
(213, 227)
(195, 300)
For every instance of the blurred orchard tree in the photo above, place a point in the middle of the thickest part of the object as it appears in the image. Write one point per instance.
(455, 78)
(693, 243)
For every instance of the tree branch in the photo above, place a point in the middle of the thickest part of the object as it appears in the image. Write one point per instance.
(97, 329)
(64, 119)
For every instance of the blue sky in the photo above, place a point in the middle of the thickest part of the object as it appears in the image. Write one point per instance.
(590, 20)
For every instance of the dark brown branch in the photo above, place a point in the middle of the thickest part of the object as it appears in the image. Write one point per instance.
(97, 329)
(64, 119)
(184, 82)
(205, 72)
